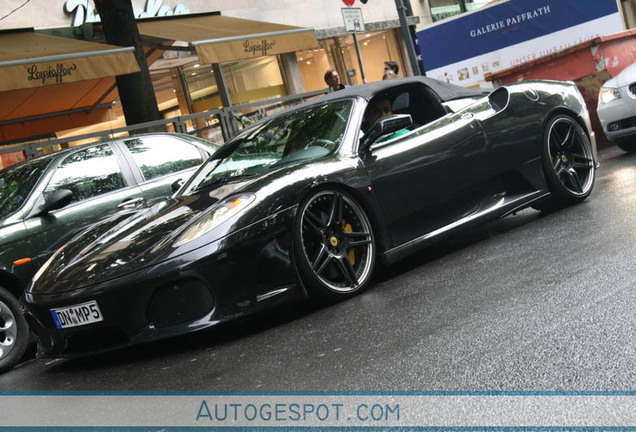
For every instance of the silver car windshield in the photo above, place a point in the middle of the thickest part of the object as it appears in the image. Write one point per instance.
(301, 135)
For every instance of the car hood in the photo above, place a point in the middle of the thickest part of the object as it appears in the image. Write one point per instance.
(147, 238)
(119, 247)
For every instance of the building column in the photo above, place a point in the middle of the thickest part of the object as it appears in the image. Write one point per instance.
(181, 93)
(629, 14)
(291, 72)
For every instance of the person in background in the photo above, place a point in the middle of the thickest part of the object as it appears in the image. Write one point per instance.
(332, 78)
(389, 74)
(392, 66)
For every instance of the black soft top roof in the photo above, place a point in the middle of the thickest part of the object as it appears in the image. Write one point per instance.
(444, 90)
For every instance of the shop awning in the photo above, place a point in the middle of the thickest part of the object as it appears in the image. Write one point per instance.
(29, 60)
(217, 38)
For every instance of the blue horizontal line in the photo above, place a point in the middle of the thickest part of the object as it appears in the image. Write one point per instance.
(317, 428)
(318, 393)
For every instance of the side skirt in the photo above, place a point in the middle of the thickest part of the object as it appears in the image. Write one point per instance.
(503, 207)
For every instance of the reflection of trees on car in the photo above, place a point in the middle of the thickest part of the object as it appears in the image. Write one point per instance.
(307, 134)
(326, 123)
(16, 184)
(87, 173)
(159, 157)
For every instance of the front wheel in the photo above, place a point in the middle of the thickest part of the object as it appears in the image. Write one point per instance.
(14, 332)
(334, 245)
(568, 161)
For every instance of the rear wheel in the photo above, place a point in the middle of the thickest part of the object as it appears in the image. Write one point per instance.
(568, 161)
(334, 245)
(14, 332)
(627, 144)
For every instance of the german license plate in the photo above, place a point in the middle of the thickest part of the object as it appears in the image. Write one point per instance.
(77, 315)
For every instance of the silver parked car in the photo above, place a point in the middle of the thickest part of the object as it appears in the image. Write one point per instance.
(617, 108)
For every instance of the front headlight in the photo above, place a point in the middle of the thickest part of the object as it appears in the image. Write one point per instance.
(221, 212)
(606, 95)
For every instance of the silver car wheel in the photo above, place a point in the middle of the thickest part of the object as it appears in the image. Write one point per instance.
(8, 330)
(14, 331)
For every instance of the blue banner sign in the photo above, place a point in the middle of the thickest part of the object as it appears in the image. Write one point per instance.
(503, 25)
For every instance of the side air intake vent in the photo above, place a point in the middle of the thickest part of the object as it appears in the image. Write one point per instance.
(499, 99)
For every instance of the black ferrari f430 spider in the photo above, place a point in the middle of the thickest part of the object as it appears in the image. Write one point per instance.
(309, 201)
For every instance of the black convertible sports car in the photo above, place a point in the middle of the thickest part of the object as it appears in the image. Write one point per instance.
(307, 201)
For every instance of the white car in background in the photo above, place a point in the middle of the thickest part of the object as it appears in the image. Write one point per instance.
(617, 108)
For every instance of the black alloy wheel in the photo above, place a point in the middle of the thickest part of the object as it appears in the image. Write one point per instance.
(334, 244)
(568, 161)
(14, 331)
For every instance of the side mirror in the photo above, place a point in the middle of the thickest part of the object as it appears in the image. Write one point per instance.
(176, 185)
(60, 198)
(386, 125)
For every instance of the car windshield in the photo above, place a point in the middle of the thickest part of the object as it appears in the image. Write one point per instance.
(301, 135)
(16, 183)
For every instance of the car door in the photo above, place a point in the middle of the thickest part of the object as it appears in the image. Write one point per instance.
(161, 160)
(16, 184)
(102, 186)
(425, 179)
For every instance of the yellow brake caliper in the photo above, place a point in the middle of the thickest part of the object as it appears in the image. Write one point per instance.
(347, 228)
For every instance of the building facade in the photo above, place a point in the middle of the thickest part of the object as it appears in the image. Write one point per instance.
(183, 82)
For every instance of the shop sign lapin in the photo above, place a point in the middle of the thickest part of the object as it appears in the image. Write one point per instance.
(58, 73)
(259, 47)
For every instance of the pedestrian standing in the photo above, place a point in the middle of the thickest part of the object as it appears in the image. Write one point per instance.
(332, 78)
(392, 66)
(389, 74)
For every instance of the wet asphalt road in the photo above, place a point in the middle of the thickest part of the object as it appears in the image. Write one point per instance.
(530, 302)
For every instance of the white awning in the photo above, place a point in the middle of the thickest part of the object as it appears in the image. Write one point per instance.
(217, 38)
(29, 59)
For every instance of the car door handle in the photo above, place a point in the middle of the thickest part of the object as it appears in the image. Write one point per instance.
(131, 203)
(468, 116)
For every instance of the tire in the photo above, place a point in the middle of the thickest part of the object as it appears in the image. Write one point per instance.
(14, 331)
(568, 162)
(334, 246)
(627, 144)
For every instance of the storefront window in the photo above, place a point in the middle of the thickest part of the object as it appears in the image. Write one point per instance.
(340, 54)
(201, 88)
(246, 80)
(313, 64)
(375, 49)
(254, 80)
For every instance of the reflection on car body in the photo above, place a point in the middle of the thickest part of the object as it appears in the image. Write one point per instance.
(306, 202)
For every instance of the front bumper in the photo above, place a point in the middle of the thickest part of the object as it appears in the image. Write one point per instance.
(224, 280)
(618, 117)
